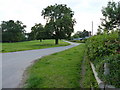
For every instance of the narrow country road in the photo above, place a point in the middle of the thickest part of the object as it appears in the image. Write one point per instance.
(14, 63)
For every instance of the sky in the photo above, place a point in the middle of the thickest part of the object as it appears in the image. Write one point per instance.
(29, 12)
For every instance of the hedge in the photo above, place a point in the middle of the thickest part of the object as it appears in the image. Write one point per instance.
(102, 49)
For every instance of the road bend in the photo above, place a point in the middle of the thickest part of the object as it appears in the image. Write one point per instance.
(14, 63)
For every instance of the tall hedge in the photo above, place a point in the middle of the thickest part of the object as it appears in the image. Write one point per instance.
(103, 49)
(103, 45)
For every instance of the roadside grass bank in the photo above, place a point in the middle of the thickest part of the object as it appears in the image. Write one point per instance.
(30, 45)
(59, 70)
(88, 80)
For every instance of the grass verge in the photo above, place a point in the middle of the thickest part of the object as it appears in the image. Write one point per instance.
(88, 79)
(30, 45)
(59, 70)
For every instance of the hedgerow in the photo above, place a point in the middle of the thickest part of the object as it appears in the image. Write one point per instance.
(102, 49)
(114, 65)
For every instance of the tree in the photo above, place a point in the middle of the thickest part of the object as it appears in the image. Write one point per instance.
(34, 31)
(38, 32)
(85, 34)
(59, 20)
(99, 31)
(111, 18)
(12, 31)
(81, 34)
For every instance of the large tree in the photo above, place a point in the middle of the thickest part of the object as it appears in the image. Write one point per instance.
(111, 18)
(59, 20)
(12, 31)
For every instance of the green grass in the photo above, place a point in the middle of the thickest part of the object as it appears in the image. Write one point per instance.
(59, 70)
(89, 80)
(29, 45)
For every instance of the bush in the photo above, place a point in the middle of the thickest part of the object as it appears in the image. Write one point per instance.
(105, 49)
(102, 45)
(114, 66)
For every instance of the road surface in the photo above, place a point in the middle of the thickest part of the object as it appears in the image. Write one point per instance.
(14, 63)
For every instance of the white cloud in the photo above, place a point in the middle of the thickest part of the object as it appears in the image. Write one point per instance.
(29, 11)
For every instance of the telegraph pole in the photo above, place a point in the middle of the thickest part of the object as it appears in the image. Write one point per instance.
(92, 28)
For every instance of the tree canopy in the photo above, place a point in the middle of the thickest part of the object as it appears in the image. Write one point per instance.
(111, 18)
(59, 21)
(82, 34)
(12, 31)
(39, 32)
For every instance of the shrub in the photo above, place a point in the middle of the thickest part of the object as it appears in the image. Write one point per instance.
(102, 45)
(114, 66)
(105, 49)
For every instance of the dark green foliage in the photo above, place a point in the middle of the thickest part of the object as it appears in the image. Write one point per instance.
(114, 66)
(103, 49)
(38, 32)
(103, 45)
(111, 18)
(12, 31)
(59, 21)
(81, 34)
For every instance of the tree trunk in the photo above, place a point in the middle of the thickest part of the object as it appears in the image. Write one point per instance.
(56, 41)
(40, 40)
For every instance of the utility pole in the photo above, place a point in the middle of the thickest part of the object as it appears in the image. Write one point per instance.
(92, 28)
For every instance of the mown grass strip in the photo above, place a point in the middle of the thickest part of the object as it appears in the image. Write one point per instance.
(59, 70)
(30, 45)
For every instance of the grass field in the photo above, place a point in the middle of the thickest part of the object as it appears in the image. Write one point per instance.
(29, 45)
(59, 70)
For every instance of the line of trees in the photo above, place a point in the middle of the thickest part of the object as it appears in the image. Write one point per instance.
(59, 25)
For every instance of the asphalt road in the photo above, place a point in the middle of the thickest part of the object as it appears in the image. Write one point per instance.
(14, 63)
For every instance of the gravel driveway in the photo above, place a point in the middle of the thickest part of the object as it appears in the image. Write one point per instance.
(14, 63)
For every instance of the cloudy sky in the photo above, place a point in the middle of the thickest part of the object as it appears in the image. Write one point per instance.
(29, 11)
